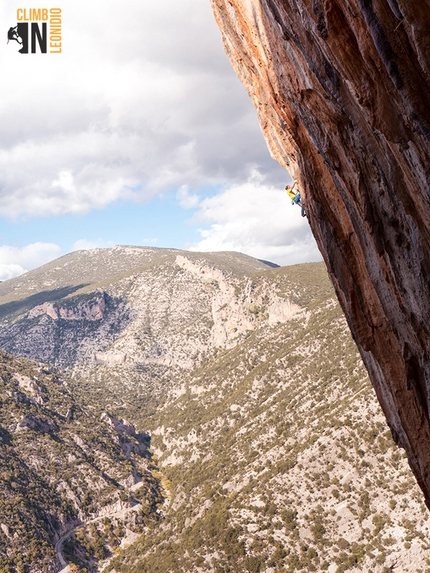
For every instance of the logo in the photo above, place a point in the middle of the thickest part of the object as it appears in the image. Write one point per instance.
(31, 31)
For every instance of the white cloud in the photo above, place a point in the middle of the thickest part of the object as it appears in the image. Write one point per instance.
(15, 261)
(141, 100)
(64, 181)
(257, 219)
(186, 199)
(9, 271)
(84, 245)
(150, 241)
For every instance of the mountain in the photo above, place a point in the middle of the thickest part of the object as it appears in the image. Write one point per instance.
(261, 446)
(128, 304)
(64, 463)
(342, 92)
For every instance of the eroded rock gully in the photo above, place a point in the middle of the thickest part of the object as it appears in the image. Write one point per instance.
(342, 92)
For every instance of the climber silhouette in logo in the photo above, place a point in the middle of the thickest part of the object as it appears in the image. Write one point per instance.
(13, 35)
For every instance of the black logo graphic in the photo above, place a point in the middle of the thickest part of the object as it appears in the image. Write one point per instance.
(27, 34)
(13, 35)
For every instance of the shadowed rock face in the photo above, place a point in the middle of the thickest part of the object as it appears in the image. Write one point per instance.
(342, 90)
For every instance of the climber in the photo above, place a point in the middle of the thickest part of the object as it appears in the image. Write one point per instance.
(13, 35)
(294, 195)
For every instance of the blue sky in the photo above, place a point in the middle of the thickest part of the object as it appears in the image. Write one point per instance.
(137, 133)
(160, 222)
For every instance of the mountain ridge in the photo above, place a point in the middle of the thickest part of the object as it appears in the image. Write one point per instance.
(112, 289)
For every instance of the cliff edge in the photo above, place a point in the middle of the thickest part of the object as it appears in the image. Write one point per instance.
(342, 92)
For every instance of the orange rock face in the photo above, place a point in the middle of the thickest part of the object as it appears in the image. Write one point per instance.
(342, 91)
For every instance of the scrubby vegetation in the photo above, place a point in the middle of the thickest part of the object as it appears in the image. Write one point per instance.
(265, 449)
(62, 463)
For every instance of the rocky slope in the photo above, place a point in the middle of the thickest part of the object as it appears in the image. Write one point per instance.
(342, 93)
(265, 434)
(277, 454)
(64, 462)
(137, 307)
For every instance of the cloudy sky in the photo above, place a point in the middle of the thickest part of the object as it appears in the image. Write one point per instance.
(137, 133)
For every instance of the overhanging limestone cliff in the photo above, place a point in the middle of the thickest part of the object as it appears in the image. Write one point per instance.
(342, 90)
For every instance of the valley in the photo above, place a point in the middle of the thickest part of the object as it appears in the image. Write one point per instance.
(218, 400)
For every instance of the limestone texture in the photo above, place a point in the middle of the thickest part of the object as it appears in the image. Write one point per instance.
(342, 90)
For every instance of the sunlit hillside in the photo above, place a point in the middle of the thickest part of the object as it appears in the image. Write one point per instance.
(262, 446)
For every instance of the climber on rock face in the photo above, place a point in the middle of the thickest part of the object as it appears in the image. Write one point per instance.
(294, 195)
